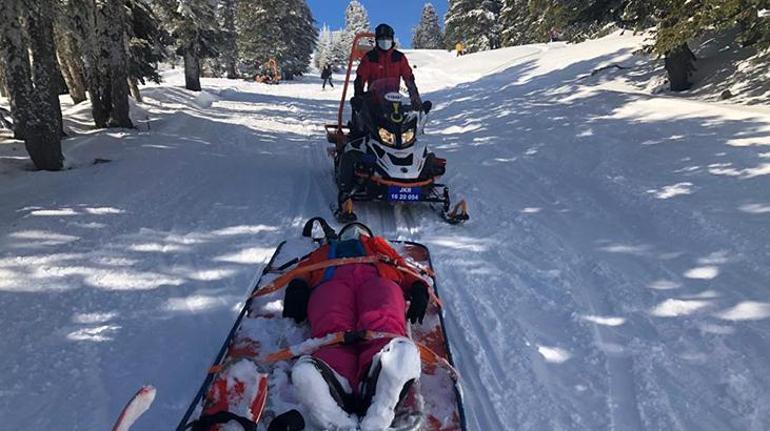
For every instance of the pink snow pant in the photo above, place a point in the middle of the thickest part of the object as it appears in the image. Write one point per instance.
(355, 299)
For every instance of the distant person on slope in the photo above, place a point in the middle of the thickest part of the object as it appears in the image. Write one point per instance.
(385, 62)
(366, 377)
(326, 75)
(460, 49)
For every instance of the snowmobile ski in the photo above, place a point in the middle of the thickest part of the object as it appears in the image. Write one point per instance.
(250, 377)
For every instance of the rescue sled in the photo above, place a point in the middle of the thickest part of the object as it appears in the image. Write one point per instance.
(387, 162)
(249, 382)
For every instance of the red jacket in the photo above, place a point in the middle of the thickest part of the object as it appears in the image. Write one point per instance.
(378, 64)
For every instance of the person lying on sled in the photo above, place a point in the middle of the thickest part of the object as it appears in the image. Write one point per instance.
(365, 379)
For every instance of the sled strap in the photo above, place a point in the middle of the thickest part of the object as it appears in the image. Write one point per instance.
(329, 233)
(204, 423)
(348, 338)
(284, 279)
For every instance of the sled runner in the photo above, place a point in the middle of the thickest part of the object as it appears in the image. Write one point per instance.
(249, 383)
(382, 159)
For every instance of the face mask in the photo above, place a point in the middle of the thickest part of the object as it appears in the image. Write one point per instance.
(384, 44)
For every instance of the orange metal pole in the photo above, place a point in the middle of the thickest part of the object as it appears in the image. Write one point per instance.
(352, 58)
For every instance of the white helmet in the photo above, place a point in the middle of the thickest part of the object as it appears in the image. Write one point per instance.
(354, 231)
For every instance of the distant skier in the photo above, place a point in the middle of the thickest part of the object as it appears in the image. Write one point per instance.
(365, 378)
(326, 75)
(385, 62)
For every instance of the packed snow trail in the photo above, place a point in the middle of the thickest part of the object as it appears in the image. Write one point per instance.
(613, 274)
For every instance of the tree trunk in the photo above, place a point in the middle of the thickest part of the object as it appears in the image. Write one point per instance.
(82, 14)
(114, 20)
(43, 141)
(45, 71)
(3, 85)
(192, 70)
(133, 85)
(680, 63)
(71, 67)
(17, 68)
(230, 54)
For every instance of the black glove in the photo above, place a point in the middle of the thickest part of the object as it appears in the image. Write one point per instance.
(416, 102)
(289, 421)
(418, 303)
(356, 102)
(296, 299)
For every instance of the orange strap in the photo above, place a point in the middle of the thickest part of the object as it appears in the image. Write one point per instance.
(427, 355)
(284, 279)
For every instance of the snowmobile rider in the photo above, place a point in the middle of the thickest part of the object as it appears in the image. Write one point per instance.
(384, 62)
(338, 384)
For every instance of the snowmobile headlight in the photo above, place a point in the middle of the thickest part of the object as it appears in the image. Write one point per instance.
(387, 137)
(407, 137)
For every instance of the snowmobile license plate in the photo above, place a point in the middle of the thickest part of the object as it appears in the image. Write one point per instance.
(403, 194)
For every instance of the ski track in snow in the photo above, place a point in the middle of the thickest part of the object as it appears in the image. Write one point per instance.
(613, 274)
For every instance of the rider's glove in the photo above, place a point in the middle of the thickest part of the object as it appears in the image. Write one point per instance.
(418, 302)
(296, 299)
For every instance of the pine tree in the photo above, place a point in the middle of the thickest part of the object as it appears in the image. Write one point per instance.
(229, 46)
(275, 29)
(427, 34)
(520, 24)
(195, 28)
(323, 55)
(356, 21)
(474, 23)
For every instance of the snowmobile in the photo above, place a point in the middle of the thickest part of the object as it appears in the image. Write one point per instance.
(377, 156)
(248, 384)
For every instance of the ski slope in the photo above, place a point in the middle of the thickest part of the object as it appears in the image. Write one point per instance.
(614, 274)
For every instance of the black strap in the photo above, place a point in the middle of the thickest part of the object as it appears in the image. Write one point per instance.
(329, 233)
(345, 400)
(204, 423)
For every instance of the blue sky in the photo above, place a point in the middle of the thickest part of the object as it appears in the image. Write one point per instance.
(402, 15)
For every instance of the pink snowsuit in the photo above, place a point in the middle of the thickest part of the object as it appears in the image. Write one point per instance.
(355, 298)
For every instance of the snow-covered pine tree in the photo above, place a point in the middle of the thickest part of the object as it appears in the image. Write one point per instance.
(276, 29)
(147, 45)
(520, 24)
(301, 35)
(340, 51)
(229, 45)
(14, 52)
(356, 21)
(323, 55)
(474, 23)
(44, 127)
(427, 34)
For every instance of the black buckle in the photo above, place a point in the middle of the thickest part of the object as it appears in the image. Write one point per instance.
(353, 337)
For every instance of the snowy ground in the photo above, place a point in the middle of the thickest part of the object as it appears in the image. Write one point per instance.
(614, 274)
